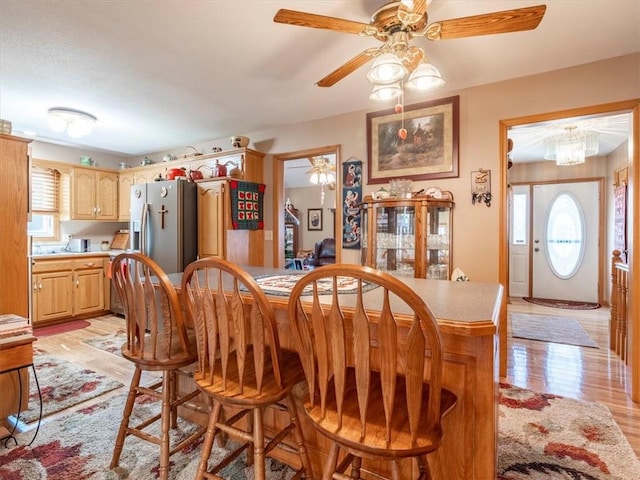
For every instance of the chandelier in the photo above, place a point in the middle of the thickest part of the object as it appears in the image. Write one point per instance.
(571, 147)
(322, 173)
(75, 122)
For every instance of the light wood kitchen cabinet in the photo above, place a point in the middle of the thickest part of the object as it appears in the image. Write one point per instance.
(52, 296)
(211, 219)
(94, 194)
(14, 198)
(125, 180)
(67, 287)
(89, 279)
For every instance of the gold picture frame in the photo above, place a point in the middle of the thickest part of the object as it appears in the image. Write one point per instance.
(429, 149)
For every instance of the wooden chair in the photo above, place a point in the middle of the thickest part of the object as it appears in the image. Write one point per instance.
(158, 340)
(361, 395)
(240, 364)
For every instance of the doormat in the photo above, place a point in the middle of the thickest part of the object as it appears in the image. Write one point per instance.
(550, 329)
(60, 328)
(568, 304)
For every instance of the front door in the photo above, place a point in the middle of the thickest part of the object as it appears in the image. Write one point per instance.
(566, 225)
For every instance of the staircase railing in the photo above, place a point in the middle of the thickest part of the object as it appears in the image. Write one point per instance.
(618, 325)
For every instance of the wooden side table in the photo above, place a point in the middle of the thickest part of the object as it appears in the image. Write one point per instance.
(17, 353)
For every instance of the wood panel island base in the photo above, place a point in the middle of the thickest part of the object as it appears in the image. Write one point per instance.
(468, 316)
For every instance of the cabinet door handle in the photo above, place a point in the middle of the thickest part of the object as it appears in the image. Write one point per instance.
(95, 209)
(35, 286)
(98, 210)
(77, 283)
(90, 264)
(40, 286)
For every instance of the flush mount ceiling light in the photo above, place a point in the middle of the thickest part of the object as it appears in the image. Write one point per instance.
(571, 147)
(75, 122)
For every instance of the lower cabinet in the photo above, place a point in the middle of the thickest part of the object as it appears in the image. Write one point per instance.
(67, 288)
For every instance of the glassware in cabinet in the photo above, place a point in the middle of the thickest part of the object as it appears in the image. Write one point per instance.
(408, 237)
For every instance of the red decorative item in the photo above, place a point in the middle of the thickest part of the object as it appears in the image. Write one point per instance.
(399, 108)
(402, 133)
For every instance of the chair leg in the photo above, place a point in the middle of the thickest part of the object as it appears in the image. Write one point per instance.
(250, 448)
(299, 437)
(174, 395)
(423, 468)
(355, 468)
(207, 445)
(124, 424)
(331, 463)
(258, 444)
(166, 421)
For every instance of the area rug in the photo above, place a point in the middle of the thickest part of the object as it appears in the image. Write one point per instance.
(567, 304)
(545, 437)
(550, 329)
(111, 342)
(62, 384)
(79, 447)
(60, 328)
(542, 437)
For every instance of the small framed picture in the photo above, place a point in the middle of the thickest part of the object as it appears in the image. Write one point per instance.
(314, 219)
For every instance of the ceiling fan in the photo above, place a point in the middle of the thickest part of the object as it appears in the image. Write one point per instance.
(396, 23)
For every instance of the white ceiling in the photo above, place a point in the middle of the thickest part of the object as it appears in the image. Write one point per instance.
(164, 75)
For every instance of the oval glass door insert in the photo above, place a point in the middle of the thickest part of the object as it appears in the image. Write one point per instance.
(565, 234)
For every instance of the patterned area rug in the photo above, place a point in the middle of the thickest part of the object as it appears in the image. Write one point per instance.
(111, 343)
(568, 304)
(62, 384)
(79, 447)
(550, 329)
(542, 437)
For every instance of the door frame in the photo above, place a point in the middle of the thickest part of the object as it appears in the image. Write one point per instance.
(628, 106)
(278, 197)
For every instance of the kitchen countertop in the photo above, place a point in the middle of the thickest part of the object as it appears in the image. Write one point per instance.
(63, 254)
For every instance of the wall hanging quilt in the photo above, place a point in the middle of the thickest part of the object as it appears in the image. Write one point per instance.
(247, 201)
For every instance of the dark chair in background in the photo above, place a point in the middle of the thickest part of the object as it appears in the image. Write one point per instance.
(324, 253)
(158, 340)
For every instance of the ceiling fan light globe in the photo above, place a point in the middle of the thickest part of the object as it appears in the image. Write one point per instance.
(385, 92)
(314, 178)
(387, 68)
(425, 77)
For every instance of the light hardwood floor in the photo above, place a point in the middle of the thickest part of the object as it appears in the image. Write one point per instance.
(592, 374)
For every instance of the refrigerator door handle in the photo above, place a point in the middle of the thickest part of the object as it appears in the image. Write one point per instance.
(143, 229)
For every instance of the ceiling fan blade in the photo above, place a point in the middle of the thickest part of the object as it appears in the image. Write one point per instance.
(411, 12)
(507, 21)
(349, 67)
(312, 20)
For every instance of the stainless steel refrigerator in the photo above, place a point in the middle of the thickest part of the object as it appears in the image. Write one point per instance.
(164, 223)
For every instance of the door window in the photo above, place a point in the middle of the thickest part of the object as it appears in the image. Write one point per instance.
(565, 234)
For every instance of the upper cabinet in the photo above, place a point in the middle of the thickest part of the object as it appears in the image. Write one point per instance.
(125, 180)
(409, 237)
(94, 194)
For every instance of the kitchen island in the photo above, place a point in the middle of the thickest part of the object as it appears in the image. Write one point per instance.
(468, 314)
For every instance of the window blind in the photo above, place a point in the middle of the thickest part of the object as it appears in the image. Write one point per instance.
(45, 190)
